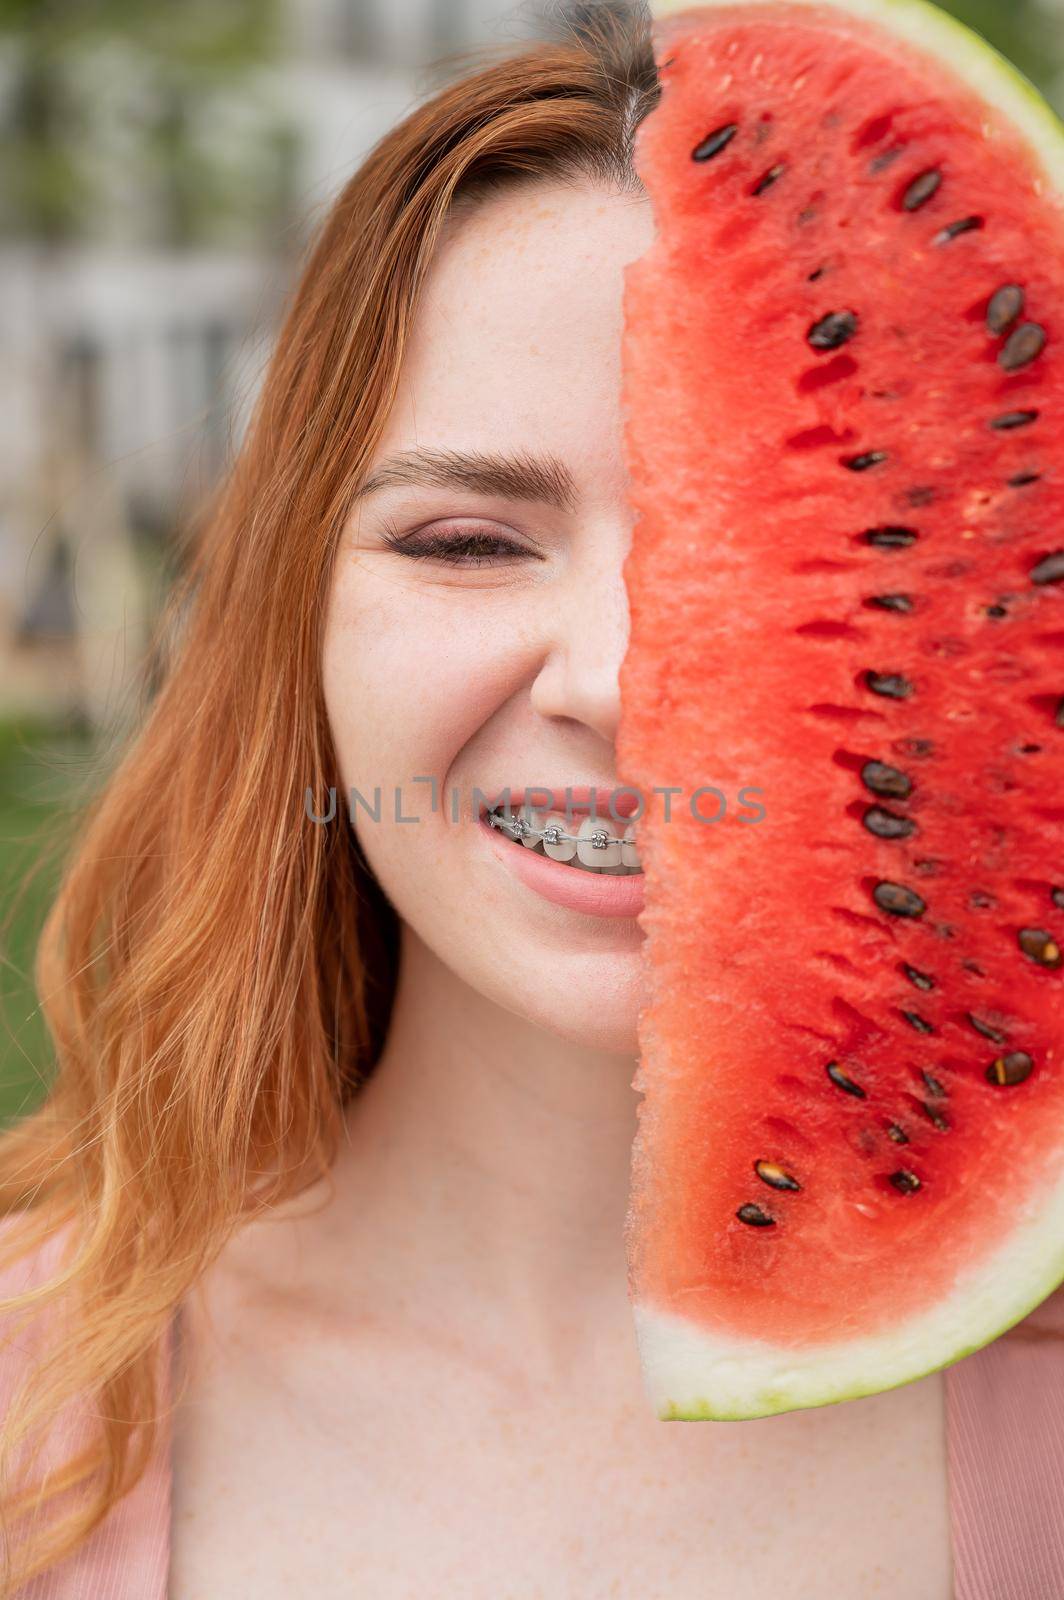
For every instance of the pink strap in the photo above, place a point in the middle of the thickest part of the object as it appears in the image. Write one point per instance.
(128, 1556)
(1005, 1436)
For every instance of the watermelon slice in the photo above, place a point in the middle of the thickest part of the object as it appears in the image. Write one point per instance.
(844, 401)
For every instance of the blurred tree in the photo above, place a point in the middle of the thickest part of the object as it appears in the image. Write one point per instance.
(1029, 32)
(157, 79)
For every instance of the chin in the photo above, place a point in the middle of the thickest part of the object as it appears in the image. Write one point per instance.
(594, 1016)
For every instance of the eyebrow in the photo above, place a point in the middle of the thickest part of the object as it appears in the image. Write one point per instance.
(521, 476)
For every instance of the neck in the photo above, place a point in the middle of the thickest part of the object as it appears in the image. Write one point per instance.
(491, 1160)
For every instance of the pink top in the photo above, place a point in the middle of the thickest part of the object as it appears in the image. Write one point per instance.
(1005, 1437)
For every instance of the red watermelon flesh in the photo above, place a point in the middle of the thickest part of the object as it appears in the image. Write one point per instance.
(844, 397)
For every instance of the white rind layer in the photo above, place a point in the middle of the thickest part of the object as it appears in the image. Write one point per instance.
(952, 45)
(688, 1371)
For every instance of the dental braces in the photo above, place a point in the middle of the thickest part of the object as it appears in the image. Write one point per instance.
(553, 834)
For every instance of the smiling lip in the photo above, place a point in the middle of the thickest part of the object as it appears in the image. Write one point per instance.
(596, 894)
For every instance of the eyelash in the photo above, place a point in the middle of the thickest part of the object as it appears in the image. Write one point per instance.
(451, 550)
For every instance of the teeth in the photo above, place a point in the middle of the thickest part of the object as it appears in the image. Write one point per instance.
(538, 819)
(591, 854)
(617, 857)
(565, 849)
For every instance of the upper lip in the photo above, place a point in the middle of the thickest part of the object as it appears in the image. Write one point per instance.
(578, 799)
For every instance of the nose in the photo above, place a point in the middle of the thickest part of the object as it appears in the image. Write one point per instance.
(586, 635)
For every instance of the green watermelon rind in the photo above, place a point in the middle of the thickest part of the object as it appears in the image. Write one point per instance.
(681, 1359)
(954, 45)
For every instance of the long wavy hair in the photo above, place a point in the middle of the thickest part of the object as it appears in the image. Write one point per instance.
(216, 972)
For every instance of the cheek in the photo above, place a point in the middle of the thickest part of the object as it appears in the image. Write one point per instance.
(410, 675)
(405, 693)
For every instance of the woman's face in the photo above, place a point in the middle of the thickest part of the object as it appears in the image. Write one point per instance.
(497, 668)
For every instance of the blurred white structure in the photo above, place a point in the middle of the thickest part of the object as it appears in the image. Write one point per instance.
(129, 370)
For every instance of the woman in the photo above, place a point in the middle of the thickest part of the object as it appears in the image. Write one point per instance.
(351, 1093)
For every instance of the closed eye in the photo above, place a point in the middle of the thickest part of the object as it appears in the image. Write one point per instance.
(476, 547)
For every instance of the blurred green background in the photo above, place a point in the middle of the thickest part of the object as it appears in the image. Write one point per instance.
(160, 168)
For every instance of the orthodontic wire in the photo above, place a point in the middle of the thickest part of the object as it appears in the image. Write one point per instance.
(552, 834)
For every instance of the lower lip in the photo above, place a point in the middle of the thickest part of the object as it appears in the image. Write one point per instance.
(598, 894)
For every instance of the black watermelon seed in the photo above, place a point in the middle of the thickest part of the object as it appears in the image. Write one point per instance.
(1022, 479)
(755, 1217)
(935, 1116)
(1057, 897)
(995, 611)
(885, 780)
(899, 900)
(890, 684)
(891, 602)
(921, 190)
(898, 1135)
(904, 1181)
(842, 1080)
(1040, 946)
(921, 980)
(1007, 1070)
(887, 824)
(995, 1035)
(933, 1084)
(954, 230)
(833, 331)
(1059, 718)
(776, 1177)
(861, 463)
(1023, 346)
(915, 1020)
(980, 899)
(890, 537)
(715, 142)
(1013, 419)
(887, 159)
(815, 277)
(1049, 570)
(1005, 306)
(771, 176)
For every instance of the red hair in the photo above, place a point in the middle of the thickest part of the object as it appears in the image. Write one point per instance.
(216, 972)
